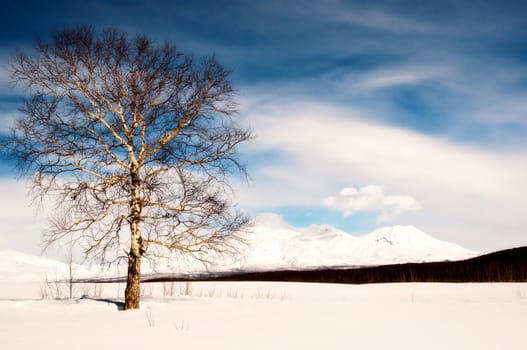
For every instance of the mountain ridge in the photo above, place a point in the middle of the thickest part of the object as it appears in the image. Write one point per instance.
(273, 240)
(273, 244)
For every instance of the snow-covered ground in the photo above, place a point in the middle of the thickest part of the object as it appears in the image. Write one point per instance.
(205, 315)
(36, 313)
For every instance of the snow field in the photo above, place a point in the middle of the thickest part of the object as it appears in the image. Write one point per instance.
(252, 315)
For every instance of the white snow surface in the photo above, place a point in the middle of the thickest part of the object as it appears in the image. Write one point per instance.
(205, 315)
(37, 313)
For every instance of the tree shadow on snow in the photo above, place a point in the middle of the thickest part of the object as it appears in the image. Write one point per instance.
(119, 304)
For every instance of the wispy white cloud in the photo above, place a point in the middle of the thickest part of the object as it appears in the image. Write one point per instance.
(382, 20)
(391, 80)
(371, 198)
(404, 74)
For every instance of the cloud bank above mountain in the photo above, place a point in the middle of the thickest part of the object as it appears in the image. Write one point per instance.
(309, 151)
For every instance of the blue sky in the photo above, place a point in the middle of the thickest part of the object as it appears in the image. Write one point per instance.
(366, 113)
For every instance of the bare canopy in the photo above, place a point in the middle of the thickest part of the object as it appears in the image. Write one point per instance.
(134, 141)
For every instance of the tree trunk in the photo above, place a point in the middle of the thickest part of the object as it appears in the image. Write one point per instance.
(132, 293)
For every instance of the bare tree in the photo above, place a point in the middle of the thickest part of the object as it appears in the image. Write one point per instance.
(133, 141)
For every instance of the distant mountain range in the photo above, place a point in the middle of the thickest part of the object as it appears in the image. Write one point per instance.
(16, 265)
(275, 245)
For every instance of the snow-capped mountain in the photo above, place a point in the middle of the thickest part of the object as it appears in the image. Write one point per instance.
(21, 266)
(407, 243)
(17, 265)
(272, 244)
(275, 244)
